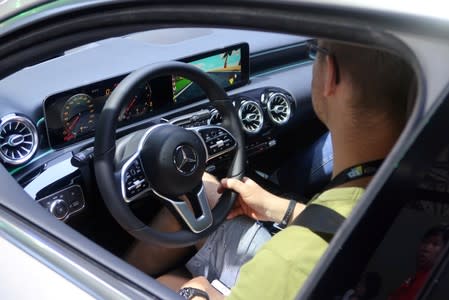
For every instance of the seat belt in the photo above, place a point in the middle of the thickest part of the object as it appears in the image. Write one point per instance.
(321, 220)
(325, 221)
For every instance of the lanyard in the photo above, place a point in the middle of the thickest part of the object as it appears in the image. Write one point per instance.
(355, 172)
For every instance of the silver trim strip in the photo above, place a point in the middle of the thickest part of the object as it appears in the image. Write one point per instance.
(50, 175)
(62, 264)
(199, 224)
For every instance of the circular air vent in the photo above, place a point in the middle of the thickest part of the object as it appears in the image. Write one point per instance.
(251, 116)
(279, 109)
(215, 117)
(18, 139)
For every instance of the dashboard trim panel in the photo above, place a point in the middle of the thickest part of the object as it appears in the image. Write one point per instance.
(51, 174)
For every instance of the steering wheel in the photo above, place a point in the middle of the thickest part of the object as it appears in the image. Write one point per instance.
(167, 160)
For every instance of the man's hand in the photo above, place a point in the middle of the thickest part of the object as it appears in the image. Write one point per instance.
(210, 185)
(202, 284)
(254, 201)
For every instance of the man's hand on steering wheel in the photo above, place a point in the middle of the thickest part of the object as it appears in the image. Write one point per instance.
(254, 201)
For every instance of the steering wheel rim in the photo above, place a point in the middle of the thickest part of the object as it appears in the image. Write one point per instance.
(105, 146)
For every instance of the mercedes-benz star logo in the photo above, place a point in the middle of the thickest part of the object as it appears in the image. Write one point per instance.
(185, 159)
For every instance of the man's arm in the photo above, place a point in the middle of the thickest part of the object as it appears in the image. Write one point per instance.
(256, 202)
(203, 284)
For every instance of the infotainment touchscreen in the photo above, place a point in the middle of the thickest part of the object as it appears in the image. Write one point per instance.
(229, 67)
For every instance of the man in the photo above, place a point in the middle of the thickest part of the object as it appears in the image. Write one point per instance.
(361, 95)
(429, 250)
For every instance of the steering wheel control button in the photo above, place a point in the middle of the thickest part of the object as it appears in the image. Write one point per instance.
(59, 209)
(75, 198)
(65, 202)
(135, 180)
(217, 140)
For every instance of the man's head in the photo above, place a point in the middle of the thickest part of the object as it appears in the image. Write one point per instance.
(359, 82)
(431, 246)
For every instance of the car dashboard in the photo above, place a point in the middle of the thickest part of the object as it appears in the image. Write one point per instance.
(50, 110)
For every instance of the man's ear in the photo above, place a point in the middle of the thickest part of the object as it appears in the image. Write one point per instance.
(330, 83)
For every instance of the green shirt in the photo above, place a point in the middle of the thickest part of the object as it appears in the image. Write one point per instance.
(281, 266)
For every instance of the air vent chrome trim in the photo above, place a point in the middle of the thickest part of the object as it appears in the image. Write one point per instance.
(18, 139)
(279, 108)
(251, 116)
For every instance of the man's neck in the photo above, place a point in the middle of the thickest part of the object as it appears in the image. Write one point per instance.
(355, 145)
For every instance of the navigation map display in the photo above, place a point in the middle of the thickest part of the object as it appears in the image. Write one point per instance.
(229, 67)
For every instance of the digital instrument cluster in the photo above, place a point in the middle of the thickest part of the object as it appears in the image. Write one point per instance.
(72, 115)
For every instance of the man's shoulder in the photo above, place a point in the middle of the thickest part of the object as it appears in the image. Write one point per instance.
(342, 200)
(340, 193)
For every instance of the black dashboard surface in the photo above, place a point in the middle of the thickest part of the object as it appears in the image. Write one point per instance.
(25, 90)
(107, 61)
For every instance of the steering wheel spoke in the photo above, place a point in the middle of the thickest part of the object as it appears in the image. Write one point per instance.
(133, 181)
(217, 140)
(196, 223)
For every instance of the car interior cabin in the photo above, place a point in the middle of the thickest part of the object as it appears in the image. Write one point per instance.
(52, 130)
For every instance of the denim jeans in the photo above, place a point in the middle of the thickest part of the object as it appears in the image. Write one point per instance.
(227, 249)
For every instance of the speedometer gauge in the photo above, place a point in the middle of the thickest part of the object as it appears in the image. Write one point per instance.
(140, 104)
(78, 116)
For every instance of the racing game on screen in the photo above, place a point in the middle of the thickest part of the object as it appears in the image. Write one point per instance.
(224, 67)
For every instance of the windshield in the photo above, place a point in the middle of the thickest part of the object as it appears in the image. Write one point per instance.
(9, 8)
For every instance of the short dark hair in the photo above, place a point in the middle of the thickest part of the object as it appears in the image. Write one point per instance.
(440, 229)
(382, 82)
